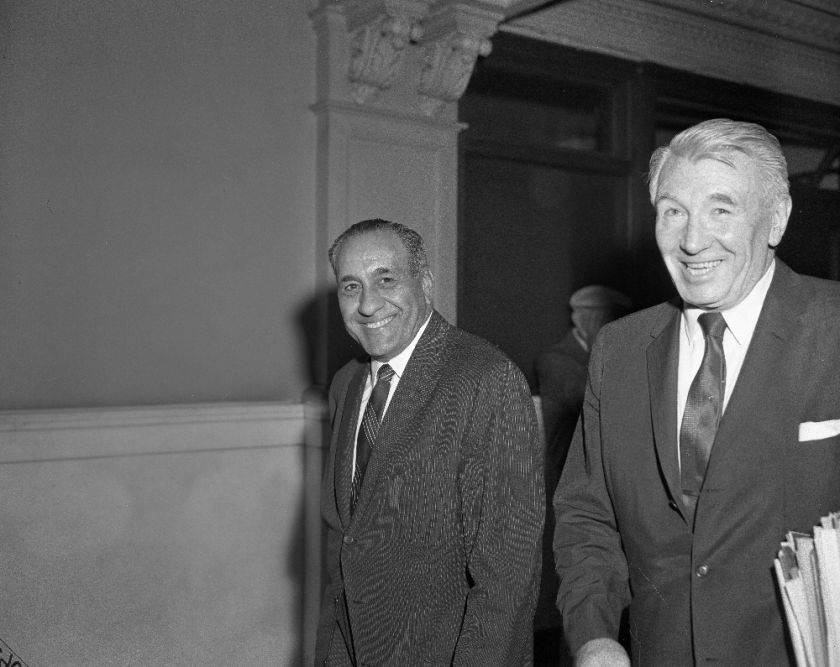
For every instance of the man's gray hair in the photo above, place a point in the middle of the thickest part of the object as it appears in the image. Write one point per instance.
(411, 240)
(718, 139)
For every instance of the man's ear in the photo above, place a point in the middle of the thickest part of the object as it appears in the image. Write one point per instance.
(428, 284)
(779, 215)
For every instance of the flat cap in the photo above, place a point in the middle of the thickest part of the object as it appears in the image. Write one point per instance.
(598, 296)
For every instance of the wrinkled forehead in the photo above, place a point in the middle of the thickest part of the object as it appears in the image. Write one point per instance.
(708, 164)
(381, 247)
(728, 155)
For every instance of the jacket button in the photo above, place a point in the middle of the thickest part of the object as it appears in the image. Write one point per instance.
(348, 539)
(702, 571)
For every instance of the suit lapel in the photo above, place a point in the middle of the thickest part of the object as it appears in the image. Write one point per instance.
(416, 385)
(345, 443)
(662, 364)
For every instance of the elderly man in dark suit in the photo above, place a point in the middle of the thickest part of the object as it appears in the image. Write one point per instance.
(432, 494)
(710, 426)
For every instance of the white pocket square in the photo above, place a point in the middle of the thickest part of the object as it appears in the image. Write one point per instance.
(818, 430)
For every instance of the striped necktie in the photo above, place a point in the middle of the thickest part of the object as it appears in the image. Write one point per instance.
(370, 425)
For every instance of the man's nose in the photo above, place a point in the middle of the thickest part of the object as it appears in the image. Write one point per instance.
(370, 301)
(695, 235)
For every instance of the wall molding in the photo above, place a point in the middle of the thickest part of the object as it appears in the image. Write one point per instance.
(38, 435)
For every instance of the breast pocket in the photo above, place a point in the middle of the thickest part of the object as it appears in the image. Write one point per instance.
(819, 430)
(812, 481)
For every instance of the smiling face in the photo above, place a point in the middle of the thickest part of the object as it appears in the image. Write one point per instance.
(382, 304)
(716, 229)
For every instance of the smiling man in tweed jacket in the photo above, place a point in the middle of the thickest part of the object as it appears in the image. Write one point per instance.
(433, 543)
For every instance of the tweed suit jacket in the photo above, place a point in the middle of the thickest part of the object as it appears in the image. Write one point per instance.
(705, 594)
(439, 563)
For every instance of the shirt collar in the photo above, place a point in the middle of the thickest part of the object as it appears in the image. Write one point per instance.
(399, 362)
(740, 319)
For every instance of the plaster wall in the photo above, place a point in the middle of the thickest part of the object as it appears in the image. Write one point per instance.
(157, 201)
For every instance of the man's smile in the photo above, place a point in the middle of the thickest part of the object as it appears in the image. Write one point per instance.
(379, 323)
(699, 269)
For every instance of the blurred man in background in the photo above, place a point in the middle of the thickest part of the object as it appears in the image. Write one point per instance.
(561, 373)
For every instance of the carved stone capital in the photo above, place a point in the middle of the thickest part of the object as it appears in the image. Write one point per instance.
(453, 39)
(379, 31)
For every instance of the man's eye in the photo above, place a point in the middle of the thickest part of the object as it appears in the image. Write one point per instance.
(350, 288)
(720, 211)
(670, 212)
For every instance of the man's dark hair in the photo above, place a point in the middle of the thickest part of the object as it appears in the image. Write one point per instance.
(411, 240)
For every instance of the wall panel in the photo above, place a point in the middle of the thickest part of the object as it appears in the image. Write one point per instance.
(155, 536)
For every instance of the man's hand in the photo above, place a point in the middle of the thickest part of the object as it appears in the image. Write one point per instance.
(602, 652)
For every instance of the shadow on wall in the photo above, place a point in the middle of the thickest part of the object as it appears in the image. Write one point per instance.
(328, 345)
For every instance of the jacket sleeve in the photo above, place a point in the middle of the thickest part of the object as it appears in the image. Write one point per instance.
(591, 564)
(503, 503)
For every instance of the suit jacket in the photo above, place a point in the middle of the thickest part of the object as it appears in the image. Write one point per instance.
(439, 563)
(622, 536)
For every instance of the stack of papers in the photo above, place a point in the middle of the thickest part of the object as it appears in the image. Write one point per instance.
(808, 572)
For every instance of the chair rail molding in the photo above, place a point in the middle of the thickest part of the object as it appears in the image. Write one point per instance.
(84, 433)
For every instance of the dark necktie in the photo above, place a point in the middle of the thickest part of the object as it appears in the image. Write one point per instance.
(369, 427)
(703, 409)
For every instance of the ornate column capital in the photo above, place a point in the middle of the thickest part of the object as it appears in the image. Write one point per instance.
(379, 32)
(454, 35)
(407, 56)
